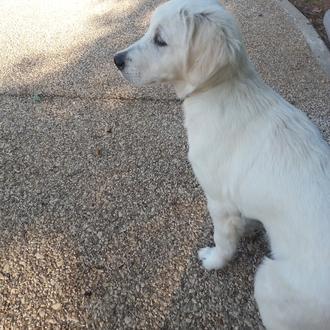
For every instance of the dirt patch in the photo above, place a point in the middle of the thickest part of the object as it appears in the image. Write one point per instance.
(314, 10)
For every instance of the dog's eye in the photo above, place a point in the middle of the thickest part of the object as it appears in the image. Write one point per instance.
(159, 41)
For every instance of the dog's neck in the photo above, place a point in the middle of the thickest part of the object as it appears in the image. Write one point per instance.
(224, 75)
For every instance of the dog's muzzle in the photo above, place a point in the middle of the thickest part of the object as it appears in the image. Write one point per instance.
(120, 59)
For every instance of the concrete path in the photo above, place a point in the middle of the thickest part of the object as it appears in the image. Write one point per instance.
(100, 215)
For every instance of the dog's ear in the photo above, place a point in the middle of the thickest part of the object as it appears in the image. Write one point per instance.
(213, 44)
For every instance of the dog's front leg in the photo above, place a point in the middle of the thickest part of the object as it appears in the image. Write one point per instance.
(228, 227)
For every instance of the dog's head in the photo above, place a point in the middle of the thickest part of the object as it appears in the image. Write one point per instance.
(187, 43)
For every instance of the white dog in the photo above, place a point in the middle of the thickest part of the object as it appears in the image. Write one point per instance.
(254, 154)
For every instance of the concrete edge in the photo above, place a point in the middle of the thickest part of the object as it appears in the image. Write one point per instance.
(314, 41)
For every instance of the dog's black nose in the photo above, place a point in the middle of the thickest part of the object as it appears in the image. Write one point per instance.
(120, 60)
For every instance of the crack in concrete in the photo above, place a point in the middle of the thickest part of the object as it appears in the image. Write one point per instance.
(43, 97)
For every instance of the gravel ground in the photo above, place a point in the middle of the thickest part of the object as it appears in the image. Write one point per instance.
(100, 215)
(101, 220)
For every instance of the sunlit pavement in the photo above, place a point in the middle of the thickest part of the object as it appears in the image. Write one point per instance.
(47, 35)
(100, 215)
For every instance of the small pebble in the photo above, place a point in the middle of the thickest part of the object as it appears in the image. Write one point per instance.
(56, 306)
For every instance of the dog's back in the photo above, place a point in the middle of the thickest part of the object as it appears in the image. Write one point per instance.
(293, 290)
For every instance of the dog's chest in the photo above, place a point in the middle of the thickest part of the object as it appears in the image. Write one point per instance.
(211, 154)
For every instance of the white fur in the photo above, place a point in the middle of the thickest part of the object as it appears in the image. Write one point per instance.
(254, 154)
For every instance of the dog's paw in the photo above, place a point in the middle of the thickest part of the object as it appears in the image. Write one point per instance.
(211, 258)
